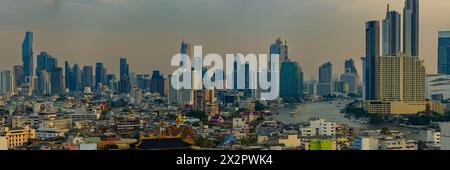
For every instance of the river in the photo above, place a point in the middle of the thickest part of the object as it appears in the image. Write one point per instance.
(331, 111)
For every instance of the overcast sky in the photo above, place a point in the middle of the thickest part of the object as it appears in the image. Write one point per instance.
(148, 32)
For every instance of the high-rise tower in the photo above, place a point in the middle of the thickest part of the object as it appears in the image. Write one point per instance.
(372, 54)
(391, 33)
(27, 54)
(411, 28)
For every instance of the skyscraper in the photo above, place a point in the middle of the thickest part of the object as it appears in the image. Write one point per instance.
(27, 54)
(57, 81)
(144, 82)
(325, 73)
(401, 78)
(411, 28)
(172, 93)
(239, 68)
(157, 83)
(112, 83)
(124, 84)
(279, 47)
(185, 96)
(76, 78)
(325, 83)
(444, 52)
(19, 75)
(43, 83)
(372, 54)
(133, 80)
(291, 80)
(391, 33)
(364, 73)
(100, 74)
(186, 48)
(401, 87)
(68, 76)
(46, 62)
(7, 82)
(124, 67)
(350, 76)
(350, 64)
(350, 79)
(87, 78)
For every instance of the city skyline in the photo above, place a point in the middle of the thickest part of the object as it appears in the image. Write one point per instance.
(205, 75)
(86, 43)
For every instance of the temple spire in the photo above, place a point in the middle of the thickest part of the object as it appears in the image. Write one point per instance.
(179, 120)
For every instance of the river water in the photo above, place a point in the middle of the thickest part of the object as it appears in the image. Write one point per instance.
(331, 111)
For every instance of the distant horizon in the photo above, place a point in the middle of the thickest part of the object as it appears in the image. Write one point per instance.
(149, 33)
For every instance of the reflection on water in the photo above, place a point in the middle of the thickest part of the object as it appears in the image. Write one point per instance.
(325, 110)
(331, 111)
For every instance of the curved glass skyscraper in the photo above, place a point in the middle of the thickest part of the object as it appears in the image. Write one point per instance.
(27, 54)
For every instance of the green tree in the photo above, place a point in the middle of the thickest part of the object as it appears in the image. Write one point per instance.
(385, 131)
(199, 115)
(247, 141)
(203, 142)
(236, 113)
(259, 106)
(376, 118)
(259, 120)
(428, 111)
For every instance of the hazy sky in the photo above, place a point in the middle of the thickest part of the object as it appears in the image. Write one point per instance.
(148, 32)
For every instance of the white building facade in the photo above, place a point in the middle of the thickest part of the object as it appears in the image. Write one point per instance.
(437, 87)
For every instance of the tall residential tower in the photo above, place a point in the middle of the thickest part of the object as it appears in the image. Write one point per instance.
(411, 28)
(444, 52)
(27, 55)
(391, 33)
(372, 54)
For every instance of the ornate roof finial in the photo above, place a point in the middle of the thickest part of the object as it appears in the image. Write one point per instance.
(179, 120)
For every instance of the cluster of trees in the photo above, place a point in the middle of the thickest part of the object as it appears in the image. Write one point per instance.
(236, 113)
(199, 115)
(375, 118)
(427, 116)
(204, 142)
(260, 120)
(421, 118)
(426, 119)
(385, 131)
(259, 106)
(247, 141)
